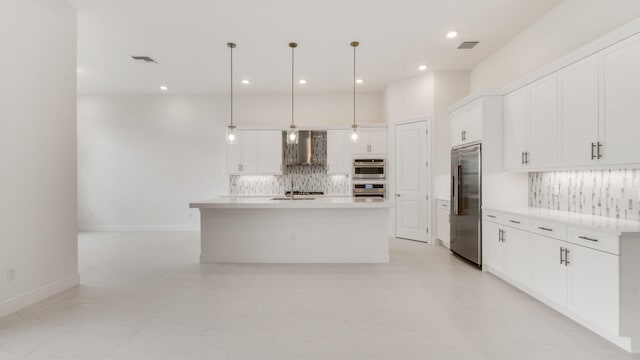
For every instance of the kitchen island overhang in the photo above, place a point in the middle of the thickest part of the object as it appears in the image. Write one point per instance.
(321, 230)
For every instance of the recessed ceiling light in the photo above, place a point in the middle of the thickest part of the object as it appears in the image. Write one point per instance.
(451, 34)
(164, 88)
(302, 81)
(246, 82)
(422, 67)
(359, 81)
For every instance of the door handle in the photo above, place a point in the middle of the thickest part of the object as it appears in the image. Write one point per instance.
(561, 258)
(522, 158)
(566, 257)
(593, 148)
(599, 147)
(457, 188)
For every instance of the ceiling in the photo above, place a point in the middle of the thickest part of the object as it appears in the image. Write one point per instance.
(188, 39)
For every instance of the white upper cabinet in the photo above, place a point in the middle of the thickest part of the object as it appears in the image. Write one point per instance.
(579, 112)
(269, 152)
(620, 89)
(516, 123)
(466, 124)
(543, 124)
(338, 159)
(373, 141)
(256, 152)
(531, 126)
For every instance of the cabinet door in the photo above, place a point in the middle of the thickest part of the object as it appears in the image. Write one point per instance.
(248, 146)
(516, 124)
(338, 152)
(378, 141)
(241, 155)
(594, 286)
(362, 146)
(543, 123)
(234, 156)
(457, 126)
(269, 152)
(620, 76)
(579, 112)
(492, 254)
(517, 255)
(549, 278)
(473, 122)
(443, 226)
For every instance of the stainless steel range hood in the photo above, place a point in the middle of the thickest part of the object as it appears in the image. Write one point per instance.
(310, 150)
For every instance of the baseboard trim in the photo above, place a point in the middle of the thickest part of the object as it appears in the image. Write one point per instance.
(29, 298)
(140, 228)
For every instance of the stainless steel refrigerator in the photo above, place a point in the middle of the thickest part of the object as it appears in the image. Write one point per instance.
(466, 202)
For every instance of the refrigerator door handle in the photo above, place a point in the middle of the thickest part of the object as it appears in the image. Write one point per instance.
(456, 197)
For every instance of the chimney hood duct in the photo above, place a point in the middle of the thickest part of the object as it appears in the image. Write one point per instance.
(310, 150)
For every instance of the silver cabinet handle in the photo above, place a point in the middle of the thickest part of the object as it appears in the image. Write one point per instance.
(593, 152)
(526, 157)
(566, 257)
(587, 238)
(522, 158)
(514, 221)
(599, 147)
(561, 258)
(397, 195)
(491, 216)
(544, 228)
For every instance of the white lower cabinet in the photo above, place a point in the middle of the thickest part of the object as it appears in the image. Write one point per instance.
(444, 227)
(549, 270)
(579, 271)
(517, 255)
(593, 279)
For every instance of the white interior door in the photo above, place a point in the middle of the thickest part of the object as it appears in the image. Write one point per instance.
(412, 210)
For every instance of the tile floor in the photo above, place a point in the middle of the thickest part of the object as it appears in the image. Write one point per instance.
(144, 296)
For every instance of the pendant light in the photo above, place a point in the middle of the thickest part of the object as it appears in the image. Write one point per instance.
(292, 133)
(354, 128)
(232, 136)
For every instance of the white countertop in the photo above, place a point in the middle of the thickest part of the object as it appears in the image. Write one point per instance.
(308, 202)
(601, 223)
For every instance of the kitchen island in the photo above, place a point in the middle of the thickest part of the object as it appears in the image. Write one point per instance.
(303, 230)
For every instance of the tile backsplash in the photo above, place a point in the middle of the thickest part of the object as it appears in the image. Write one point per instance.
(610, 193)
(305, 178)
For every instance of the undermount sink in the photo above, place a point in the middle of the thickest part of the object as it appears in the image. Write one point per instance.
(295, 198)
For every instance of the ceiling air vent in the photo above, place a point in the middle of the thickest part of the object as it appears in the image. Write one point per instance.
(144, 58)
(468, 44)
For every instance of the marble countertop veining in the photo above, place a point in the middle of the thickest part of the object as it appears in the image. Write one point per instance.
(306, 202)
(600, 223)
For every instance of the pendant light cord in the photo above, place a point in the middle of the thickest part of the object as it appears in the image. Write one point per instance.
(354, 84)
(293, 46)
(231, 46)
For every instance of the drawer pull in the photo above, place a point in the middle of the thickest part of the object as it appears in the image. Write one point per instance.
(587, 238)
(514, 221)
(544, 228)
(491, 216)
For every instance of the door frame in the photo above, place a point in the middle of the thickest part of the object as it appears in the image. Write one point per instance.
(391, 181)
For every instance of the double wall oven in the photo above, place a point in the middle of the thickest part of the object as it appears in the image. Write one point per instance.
(369, 178)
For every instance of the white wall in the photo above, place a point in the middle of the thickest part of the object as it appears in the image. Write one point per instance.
(565, 28)
(409, 99)
(37, 151)
(142, 159)
(449, 87)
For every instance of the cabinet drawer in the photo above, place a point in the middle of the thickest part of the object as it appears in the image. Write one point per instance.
(493, 217)
(518, 222)
(549, 229)
(594, 240)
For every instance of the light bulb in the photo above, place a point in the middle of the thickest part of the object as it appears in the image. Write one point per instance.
(354, 136)
(232, 138)
(292, 136)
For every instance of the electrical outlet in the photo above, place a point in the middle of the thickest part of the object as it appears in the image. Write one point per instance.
(11, 274)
